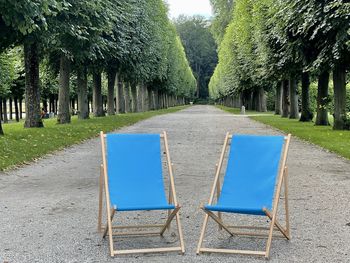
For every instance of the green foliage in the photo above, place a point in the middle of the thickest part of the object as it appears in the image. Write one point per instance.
(132, 37)
(180, 79)
(322, 24)
(21, 19)
(48, 80)
(244, 53)
(267, 41)
(155, 56)
(222, 17)
(8, 71)
(37, 142)
(200, 49)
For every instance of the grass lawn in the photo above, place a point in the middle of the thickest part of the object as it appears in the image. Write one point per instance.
(324, 136)
(20, 145)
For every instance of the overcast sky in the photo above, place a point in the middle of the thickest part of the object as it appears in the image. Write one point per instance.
(189, 7)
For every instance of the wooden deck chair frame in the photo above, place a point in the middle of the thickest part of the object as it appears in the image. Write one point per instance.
(282, 178)
(108, 229)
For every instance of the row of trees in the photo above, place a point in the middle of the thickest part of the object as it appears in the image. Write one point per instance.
(267, 44)
(132, 42)
(200, 48)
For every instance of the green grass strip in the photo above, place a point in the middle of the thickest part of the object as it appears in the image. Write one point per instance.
(324, 136)
(20, 146)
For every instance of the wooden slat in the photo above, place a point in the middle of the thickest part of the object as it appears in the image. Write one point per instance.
(147, 250)
(138, 226)
(250, 227)
(136, 233)
(233, 251)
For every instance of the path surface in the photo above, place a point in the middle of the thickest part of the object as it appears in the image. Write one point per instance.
(48, 209)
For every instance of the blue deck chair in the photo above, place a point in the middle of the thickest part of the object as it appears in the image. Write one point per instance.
(256, 170)
(132, 179)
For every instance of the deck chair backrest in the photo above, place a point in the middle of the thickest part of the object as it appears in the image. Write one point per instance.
(252, 168)
(134, 168)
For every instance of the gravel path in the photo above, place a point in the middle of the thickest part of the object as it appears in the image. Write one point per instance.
(48, 210)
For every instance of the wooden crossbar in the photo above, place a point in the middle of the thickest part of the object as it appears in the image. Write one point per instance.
(147, 250)
(232, 251)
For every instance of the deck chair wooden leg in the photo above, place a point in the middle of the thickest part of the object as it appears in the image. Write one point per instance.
(170, 218)
(179, 230)
(218, 191)
(100, 202)
(109, 229)
(269, 239)
(204, 228)
(217, 220)
(286, 201)
(107, 225)
(171, 200)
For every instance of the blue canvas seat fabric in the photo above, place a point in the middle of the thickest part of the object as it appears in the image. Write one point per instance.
(134, 169)
(252, 168)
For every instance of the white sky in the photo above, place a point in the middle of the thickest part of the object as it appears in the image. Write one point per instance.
(189, 7)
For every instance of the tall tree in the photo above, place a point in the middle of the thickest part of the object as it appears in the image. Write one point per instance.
(23, 22)
(77, 38)
(200, 49)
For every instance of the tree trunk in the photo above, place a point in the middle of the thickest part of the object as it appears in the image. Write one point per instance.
(72, 105)
(1, 130)
(15, 101)
(111, 75)
(20, 108)
(259, 100)
(134, 98)
(339, 80)
(83, 103)
(322, 99)
(56, 102)
(4, 110)
(45, 105)
(50, 104)
(126, 96)
(10, 106)
(32, 90)
(278, 101)
(150, 98)
(63, 91)
(97, 95)
(293, 98)
(121, 97)
(285, 99)
(140, 96)
(306, 113)
(146, 98)
(1, 112)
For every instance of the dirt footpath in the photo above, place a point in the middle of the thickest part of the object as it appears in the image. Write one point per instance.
(48, 210)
